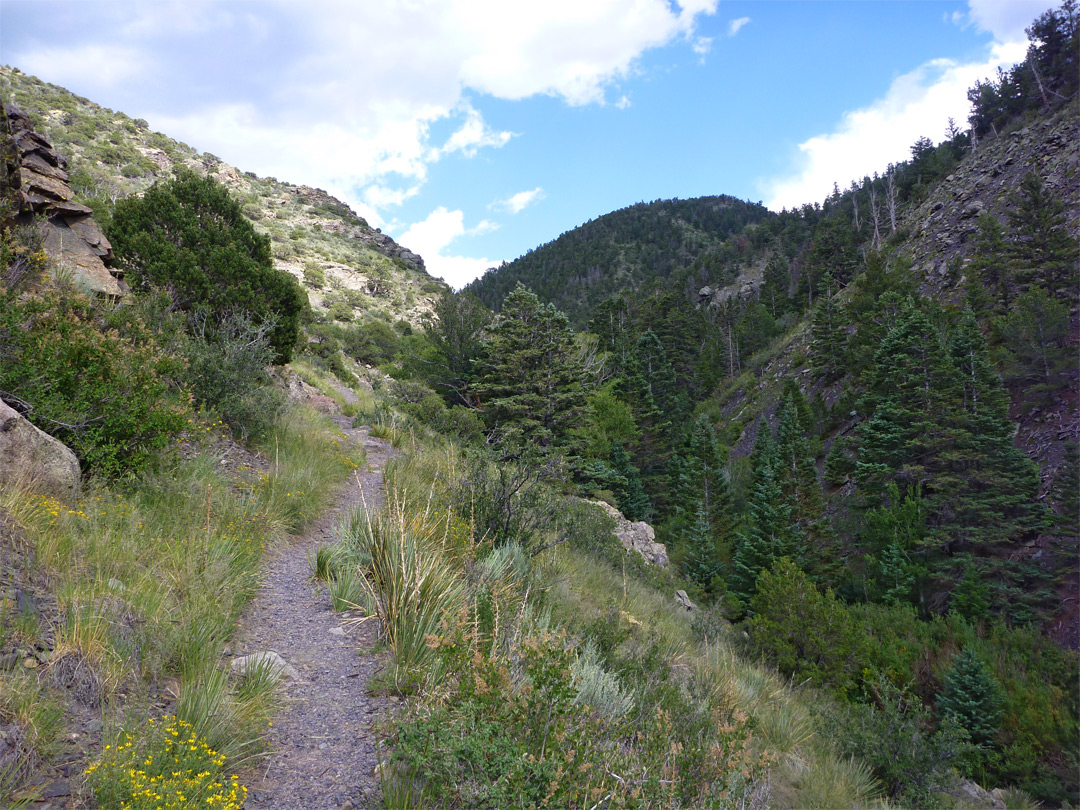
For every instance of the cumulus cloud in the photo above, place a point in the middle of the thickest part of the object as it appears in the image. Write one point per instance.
(377, 77)
(106, 66)
(1006, 19)
(735, 26)
(517, 203)
(917, 104)
(431, 237)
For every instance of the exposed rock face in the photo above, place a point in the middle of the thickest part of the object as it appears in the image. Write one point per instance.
(37, 185)
(636, 535)
(30, 457)
(684, 601)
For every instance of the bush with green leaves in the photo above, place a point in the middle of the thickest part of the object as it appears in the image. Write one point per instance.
(190, 237)
(804, 632)
(227, 371)
(90, 376)
(896, 737)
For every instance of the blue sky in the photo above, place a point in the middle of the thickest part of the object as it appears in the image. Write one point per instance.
(475, 130)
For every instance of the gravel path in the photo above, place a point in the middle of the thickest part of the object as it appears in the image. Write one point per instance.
(322, 743)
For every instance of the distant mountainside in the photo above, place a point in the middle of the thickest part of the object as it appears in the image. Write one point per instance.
(625, 250)
(350, 270)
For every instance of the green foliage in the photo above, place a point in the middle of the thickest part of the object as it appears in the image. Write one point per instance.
(971, 697)
(895, 736)
(190, 237)
(644, 242)
(531, 382)
(92, 378)
(227, 362)
(1035, 335)
(633, 500)
(805, 633)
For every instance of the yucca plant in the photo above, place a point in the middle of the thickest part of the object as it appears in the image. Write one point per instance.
(413, 586)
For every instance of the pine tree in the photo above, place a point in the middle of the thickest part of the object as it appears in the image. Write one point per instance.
(938, 419)
(990, 264)
(972, 696)
(530, 383)
(797, 477)
(828, 344)
(768, 533)
(632, 498)
(1041, 250)
(704, 561)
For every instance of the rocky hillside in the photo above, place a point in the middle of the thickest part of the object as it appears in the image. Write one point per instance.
(349, 269)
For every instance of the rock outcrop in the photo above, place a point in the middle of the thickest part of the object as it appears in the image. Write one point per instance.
(29, 457)
(636, 535)
(35, 181)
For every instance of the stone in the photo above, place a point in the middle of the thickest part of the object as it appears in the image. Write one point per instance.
(337, 631)
(684, 600)
(972, 209)
(974, 794)
(636, 536)
(278, 665)
(31, 458)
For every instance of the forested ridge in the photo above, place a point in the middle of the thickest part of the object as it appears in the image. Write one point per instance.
(853, 425)
(625, 249)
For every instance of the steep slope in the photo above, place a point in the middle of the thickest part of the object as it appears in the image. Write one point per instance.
(624, 250)
(350, 270)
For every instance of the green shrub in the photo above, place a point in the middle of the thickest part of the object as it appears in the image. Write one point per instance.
(804, 632)
(896, 737)
(227, 371)
(91, 379)
(189, 235)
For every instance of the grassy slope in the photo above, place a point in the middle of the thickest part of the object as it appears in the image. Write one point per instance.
(346, 261)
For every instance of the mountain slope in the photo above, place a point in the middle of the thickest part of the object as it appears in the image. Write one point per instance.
(623, 250)
(348, 268)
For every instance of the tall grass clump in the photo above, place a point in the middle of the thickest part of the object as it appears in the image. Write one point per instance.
(412, 583)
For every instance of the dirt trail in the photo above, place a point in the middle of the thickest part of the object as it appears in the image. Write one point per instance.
(322, 754)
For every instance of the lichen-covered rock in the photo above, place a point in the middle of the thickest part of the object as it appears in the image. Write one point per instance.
(636, 535)
(32, 458)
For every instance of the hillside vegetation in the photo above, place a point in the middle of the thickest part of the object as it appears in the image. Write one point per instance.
(625, 250)
(817, 410)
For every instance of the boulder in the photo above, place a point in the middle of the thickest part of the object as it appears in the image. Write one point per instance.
(636, 535)
(277, 665)
(684, 600)
(32, 458)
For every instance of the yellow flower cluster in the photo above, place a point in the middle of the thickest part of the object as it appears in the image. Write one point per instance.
(170, 767)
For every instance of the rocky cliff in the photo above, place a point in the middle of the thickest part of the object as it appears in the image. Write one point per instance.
(35, 187)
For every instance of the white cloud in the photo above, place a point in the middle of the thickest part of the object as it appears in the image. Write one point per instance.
(517, 203)
(917, 104)
(345, 95)
(623, 102)
(432, 236)
(1007, 19)
(105, 66)
(473, 134)
(736, 25)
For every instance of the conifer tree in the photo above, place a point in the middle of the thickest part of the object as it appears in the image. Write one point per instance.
(530, 383)
(938, 420)
(633, 500)
(768, 533)
(829, 338)
(1041, 250)
(972, 697)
